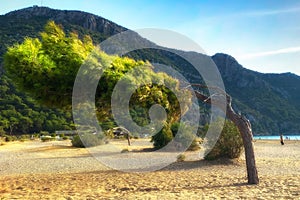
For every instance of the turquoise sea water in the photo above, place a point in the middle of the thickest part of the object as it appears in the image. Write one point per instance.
(277, 137)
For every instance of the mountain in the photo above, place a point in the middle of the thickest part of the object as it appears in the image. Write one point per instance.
(270, 101)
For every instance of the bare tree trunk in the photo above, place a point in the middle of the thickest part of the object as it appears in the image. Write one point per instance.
(128, 139)
(245, 129)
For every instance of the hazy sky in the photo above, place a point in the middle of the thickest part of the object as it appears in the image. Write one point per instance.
(262, 35)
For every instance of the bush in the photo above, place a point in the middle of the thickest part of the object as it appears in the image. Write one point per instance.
(87, 140)
(125, 150)
(47, 138)
(187, 137)
(24, 137)
(42, 133)
(229, 144)
(195, 145)
(162, 138)
(10, 138)
(109, 133)
(65, 137)
(181, 158)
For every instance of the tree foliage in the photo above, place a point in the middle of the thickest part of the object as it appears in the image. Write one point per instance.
(47, 67)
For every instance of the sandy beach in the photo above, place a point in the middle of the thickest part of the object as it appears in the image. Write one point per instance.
(55, 170)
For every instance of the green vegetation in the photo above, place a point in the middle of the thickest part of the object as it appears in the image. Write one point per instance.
(229, 144)
(181, 158)
(20, 114)
(48, 138)
(87, 140)
(186, 138)
(47, 67)
(163, 137)
(125, 150)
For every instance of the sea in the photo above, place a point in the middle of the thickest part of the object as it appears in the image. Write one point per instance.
(276, 137)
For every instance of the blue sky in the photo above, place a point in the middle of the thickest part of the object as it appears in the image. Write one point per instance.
(262, 35)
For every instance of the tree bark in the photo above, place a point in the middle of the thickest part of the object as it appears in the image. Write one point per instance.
(245, 130)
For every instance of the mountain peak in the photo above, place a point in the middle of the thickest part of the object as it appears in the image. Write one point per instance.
(86, 20)
(227, 64)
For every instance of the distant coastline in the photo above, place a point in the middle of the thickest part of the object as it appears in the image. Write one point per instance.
(276, 137)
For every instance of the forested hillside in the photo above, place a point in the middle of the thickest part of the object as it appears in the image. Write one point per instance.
(270, 101)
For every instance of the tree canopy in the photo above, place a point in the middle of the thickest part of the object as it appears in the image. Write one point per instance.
(46, 67)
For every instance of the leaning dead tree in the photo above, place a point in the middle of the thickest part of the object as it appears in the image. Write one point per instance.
(241, 122)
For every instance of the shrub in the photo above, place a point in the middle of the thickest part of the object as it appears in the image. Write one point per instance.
(186, 138)
(47, 138)
(195, 145)
(42, 133)
(109, 133)
(181, 158)
(125, 150)
(228, 145)
(65, 137)
(10, 138)
(87, 140)
(24, 137)
(76, 142)
(162, 138)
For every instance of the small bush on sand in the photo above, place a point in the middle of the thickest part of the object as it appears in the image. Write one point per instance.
(163, 137)
(87, 140)
(65, 137)
(24, 137)
(76, 142)
(125, 150)
(195, 145)
(47, 138)
(229, 144)
(181, 158)
(10, 138)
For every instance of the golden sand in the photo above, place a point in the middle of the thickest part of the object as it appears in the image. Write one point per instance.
(54, 170)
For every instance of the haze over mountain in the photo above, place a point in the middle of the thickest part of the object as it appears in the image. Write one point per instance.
(270, 101)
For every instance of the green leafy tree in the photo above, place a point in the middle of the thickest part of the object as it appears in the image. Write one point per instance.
(47, 67)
